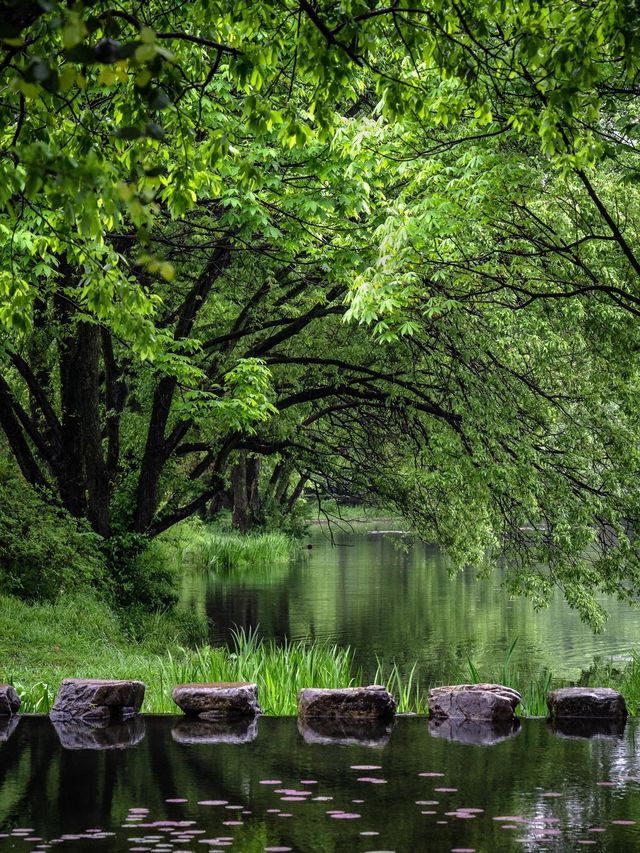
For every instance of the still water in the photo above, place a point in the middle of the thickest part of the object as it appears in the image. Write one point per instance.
(395, 604)
(169, 785)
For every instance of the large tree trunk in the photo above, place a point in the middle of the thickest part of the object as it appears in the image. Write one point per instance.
(83, 478)
(245, 494)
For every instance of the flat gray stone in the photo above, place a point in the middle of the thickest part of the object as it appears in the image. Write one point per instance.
(197, 731)
(598, 702)
(76, 734)
(217, 700)
(347, 703)
(473, 702)
(478, 732)
(373, 734)
(92, 699)
(9, 701)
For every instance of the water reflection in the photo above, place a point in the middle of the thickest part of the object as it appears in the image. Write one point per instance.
(8, 725)
(75, 734)
(417, 792)
(478, 732)
(395, 604)
(331, 732)
(587, 727)
(190, 731)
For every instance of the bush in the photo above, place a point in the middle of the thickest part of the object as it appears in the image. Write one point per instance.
(140, 575)
(43, 550)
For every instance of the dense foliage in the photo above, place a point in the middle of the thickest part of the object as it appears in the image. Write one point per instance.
(250, 249)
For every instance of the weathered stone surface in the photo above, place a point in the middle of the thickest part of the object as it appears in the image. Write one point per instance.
(348, 703)
(326, 731)
(9, 700)
(218, 699)
(586, 702)
(81, 735)
(97, 699)
(8, 725)
(587, 728)
(479, 732)
(473, 702)
(193, 731)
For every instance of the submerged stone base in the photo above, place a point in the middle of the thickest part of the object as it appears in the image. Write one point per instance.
(9, 700)
(93, 699)
(473, 702)
(217, 700)
(587, 702)
(347, 703)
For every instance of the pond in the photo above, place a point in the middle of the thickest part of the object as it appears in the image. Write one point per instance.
(395, 604)
(169, 785)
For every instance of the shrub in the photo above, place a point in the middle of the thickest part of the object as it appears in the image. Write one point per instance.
(43, 550)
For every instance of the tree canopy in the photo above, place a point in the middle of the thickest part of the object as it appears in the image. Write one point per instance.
(252, 248)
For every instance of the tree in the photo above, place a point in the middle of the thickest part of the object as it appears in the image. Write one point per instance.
(195, 201)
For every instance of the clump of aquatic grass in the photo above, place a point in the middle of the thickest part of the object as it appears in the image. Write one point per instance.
(406, 689)
(205, 548)
(279, 671)
(533, 690)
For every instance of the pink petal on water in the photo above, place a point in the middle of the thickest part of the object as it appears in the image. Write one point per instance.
(624, 822)
(597, 829)
(372, 779)
(511, 818)
(308, 781)
(177, 800)
(293, 799)
(270, 782)
(232, 823)
(429, 811)
(369, 832)
(345, 816)
(445, 790)
(213, 802)
(431, 774)
(427, 802)
(366, 767)
(322, 799)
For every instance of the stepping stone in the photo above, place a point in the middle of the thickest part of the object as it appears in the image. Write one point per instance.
(217, 700)
(93, 699)
(347, 703)
(473, 702)
(586, 702)
(9, 700)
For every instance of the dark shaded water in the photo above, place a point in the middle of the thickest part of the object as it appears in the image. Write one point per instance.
(401, 605)
(534, 790)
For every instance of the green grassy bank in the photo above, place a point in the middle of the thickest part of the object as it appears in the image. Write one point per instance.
(40, 644)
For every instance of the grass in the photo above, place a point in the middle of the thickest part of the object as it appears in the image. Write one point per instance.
(77, 636)
(200, 546)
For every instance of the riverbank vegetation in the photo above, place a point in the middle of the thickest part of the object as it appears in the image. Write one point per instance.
(77, 636)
